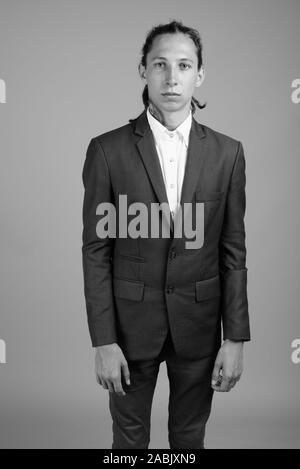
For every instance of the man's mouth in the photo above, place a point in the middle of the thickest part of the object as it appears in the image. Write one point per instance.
(170, 94)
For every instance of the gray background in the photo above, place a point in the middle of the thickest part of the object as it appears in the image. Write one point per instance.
(71, 73)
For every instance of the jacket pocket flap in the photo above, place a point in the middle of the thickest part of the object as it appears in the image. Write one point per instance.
(209, 288)
(132, 258)
(206, 196)
(128, 289)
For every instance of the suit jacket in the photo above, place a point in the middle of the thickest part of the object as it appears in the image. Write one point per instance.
(138, 289)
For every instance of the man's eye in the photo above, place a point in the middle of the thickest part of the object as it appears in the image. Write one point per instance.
(186, 66)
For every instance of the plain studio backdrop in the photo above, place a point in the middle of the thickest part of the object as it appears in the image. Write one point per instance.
(70, 69)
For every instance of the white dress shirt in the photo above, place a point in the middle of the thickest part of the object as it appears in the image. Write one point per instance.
(172, 148)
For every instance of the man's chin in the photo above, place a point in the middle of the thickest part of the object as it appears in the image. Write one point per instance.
(170, 105)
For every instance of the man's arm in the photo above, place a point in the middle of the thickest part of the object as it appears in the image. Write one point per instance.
(232, 257)
(96, 252)
(233, 275)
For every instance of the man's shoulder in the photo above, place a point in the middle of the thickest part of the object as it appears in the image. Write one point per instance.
(220, 138)
(115, 135)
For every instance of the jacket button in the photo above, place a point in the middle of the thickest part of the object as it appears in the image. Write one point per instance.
(172, 254)
(170, 289)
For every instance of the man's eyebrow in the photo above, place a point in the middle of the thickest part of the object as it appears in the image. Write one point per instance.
(164, 58)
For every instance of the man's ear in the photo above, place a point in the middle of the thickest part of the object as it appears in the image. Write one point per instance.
(200, 76)
(142, 72)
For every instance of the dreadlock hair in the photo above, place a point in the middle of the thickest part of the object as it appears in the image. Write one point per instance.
(171, 28)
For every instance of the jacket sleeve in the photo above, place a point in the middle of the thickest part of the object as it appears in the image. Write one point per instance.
(232, 260)
(97, 252)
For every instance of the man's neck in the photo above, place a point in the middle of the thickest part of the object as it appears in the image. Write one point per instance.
(171, 120)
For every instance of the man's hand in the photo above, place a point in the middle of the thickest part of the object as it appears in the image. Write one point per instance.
(228, 366)
(109, 364)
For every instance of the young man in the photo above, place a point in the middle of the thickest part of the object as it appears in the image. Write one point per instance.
(151, 299)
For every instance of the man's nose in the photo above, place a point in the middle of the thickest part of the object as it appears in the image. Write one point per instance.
(171, 76)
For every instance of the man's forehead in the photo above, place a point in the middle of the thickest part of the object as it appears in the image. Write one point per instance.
(177, 47)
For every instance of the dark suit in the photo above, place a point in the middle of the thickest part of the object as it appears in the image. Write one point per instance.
(137, 290)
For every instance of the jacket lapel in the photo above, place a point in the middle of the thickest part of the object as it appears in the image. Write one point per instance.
(195, 158)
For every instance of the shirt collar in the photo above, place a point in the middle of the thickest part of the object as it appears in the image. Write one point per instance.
(158, 129)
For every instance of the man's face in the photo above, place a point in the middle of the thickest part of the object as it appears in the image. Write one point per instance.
(172, 68)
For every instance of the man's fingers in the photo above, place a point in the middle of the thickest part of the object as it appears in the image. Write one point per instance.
(233, 381)
(117, 385)
(217, 386)
(126, 373)
(226, 385)
(118, 388)
(98, 379)
(232, 384)
(216, 373)
(104, 384)
(112, 378)
(110, 386)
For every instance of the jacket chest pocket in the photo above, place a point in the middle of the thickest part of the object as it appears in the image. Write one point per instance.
(211, 201)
